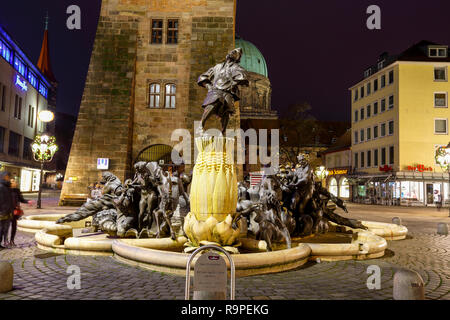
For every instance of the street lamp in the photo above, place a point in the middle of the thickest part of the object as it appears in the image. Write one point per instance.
(443, 159)
(321, 173)
(46, 116)
(44, 148)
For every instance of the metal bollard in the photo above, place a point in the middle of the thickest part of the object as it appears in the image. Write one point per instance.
(442, 229)
(397, 221)
(6, 277)
(408, 285)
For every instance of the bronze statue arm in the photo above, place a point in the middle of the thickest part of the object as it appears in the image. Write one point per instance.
(205, 80)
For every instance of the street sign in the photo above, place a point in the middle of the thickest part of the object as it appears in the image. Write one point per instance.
(102, 163)
(210, 273)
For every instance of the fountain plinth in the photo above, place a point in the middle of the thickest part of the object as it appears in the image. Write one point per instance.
(213, 195)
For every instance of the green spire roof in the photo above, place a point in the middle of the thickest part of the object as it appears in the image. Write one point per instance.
(252, 59)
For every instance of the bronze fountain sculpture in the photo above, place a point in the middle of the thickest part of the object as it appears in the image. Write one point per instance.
(283, 206)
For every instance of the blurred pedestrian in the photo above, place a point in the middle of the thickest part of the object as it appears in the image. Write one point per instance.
(18, 212)
(6, 207)
(437, 200)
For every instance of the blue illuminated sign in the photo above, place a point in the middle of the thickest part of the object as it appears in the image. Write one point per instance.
(21, 83)
(102, 163)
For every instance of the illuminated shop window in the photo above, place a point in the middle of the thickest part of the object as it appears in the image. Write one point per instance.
(344, 188)
(5, 52)
(43, 90)
(20, 66)
(32, 79)
(333, 187)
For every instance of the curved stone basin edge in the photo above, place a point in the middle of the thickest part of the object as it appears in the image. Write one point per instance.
(160, 254)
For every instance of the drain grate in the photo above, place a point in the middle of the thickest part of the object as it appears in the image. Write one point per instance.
(47, 255)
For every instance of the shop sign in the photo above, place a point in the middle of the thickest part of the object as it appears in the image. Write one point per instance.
(386, 168)
(21, 83)
(420, 168)
(210, 273)
(334, 172)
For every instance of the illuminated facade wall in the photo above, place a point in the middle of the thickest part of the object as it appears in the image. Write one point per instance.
(23, 93)
(400, 115)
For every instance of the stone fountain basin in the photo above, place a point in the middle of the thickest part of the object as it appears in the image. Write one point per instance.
(165, 255)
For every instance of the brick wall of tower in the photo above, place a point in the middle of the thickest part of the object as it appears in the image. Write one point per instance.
(115, 120)
(104, 122)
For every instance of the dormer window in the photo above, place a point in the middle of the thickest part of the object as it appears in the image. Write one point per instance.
(381, 65)
(437, 52)
(367, 73)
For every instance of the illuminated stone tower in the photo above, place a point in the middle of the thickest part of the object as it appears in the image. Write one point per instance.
(141, 84)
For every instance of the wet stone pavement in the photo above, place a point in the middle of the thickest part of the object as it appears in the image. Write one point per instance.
(43, 275)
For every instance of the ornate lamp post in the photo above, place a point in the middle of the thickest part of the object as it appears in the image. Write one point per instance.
(44, 148)
(443, 159)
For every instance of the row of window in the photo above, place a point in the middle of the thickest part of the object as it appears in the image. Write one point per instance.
(387, 128)
(374, 158)
(17, 106)
(171, 31)
(440, 101)
(156, 94)
(21, 67)
(375, 132)
(378, 107)
(367, 89)
(14, 144)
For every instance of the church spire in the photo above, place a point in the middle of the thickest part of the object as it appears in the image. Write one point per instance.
(46, 22)
(44, 58)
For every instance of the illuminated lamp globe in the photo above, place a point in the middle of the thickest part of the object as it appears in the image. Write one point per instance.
(46, 116)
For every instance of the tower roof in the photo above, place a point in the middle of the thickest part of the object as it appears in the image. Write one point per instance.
(44, 58)
(252, 59)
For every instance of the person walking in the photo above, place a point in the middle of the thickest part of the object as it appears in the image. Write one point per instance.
(18, 212)
(6, 207)
(438, 200)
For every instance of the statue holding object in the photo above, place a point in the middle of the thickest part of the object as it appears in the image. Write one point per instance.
(222, 82)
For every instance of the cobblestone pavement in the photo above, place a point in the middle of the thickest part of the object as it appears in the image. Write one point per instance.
(45, 276)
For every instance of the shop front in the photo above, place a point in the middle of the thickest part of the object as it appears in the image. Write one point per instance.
(401, 188)
(28, 178)
(338, 183)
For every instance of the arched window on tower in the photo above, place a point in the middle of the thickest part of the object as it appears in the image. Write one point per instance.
(155, 92)
(170, 96)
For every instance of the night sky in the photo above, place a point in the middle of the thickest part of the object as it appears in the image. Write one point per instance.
(315, 50)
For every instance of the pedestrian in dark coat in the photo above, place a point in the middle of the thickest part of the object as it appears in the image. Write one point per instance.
(17, 199)
(6, 207)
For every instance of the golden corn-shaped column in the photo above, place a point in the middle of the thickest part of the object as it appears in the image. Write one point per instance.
(213, 194)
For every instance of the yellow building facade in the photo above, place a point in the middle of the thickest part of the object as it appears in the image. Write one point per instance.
(399, 117)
